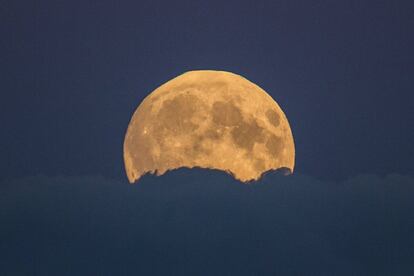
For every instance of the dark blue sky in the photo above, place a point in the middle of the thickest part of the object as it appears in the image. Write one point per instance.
(72, 73)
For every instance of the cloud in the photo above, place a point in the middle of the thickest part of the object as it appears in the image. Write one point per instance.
(202, 222)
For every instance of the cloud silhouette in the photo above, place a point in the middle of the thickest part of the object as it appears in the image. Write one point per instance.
(203, 222)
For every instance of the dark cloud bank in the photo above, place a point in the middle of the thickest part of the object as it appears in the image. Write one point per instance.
(199, 222)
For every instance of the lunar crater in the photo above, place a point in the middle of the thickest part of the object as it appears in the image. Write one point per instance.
(274, 144)
(246, 134)
(226, 114)
(273, 117)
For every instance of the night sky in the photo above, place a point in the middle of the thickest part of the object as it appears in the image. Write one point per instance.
(73, 72)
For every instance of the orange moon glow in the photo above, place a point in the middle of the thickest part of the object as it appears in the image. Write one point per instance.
(208, 119)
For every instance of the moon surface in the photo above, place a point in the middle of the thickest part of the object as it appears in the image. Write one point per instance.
(208, 119)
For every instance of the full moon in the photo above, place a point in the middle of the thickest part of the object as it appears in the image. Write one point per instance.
(208, 119)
